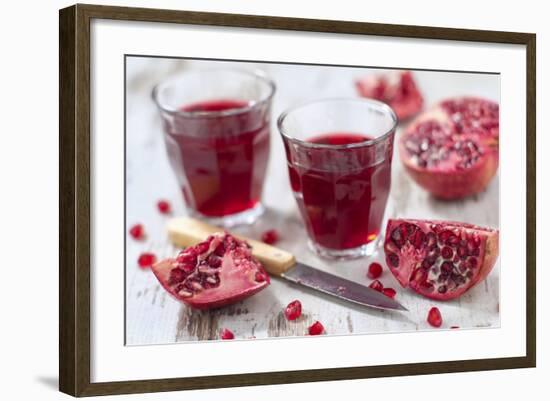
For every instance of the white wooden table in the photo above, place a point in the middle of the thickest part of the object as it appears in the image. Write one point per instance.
(153, 317)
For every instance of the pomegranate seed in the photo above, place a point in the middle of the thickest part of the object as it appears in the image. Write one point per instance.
(315, 329)
(136, 231)
(394, 259)
(260, 277)
(226, 334)
(444, 236)
(376, 285)
(146, 260)
(389, 292)
(214, 261)
(447, 252)
(163, 206)
(270, 237)
(418, 239)
(375, 270)
(293, 310)
(434, 317)
(177, 276)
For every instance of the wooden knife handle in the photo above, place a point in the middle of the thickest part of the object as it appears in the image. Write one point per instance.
(185, 231)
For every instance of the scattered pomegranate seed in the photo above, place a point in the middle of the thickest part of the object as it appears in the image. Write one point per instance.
(146, 260)
(389, 292)
(375, 270)
(226, 334)
(316, 328)
(136, 231)
(434, 317)
(376, 285)
(293, 310)
(270, 237)
(164, 206)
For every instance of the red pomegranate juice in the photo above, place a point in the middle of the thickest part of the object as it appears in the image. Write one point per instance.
(341, 192)
(220, 158)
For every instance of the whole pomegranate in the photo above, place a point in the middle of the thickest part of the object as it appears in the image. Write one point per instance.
(396, 88)
(452, 149)
(439, 259)
(214, 273)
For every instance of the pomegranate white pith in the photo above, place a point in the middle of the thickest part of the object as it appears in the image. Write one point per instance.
(214, 273)
(452, 149)
(439, 259)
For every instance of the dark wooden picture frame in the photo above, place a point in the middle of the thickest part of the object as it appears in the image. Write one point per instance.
(74, 199)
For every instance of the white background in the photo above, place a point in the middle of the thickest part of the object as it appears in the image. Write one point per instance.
(29, 202)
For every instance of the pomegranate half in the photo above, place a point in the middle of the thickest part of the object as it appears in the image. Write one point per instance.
(439, 259)
(452, 149)
(214, 273)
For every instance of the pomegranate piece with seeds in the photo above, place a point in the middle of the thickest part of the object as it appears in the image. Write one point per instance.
(146, 260)
(396, 88)
(293, 310)
(270, 237)
(214, 273)
(434, 317)
(375, 270)
(164, 207)
(227, 334)
(315, 329)
(389, 292)
(439, 259)
(137, 231)
(452, 150)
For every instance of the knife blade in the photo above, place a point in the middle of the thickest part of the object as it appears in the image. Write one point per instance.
(339, 287)
(185, 231)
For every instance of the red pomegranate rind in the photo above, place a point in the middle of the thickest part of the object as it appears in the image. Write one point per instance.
(214, 273)
(452, 150)
(439, 259)
(396, 88)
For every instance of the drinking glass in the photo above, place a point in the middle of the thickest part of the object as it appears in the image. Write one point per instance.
(339, 154)
(216, 130)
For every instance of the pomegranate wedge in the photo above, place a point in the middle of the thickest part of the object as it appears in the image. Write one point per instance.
(439, 259)
(397, 88)
(214, 273)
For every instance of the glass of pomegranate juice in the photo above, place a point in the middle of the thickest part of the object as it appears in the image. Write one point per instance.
(339, 154)
(216, 131)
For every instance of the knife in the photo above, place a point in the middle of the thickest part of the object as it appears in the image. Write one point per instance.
(185, 231)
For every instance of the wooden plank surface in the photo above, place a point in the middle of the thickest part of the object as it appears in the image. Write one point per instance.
(153, 317)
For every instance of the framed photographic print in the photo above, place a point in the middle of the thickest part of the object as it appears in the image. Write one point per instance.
(250, 200)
